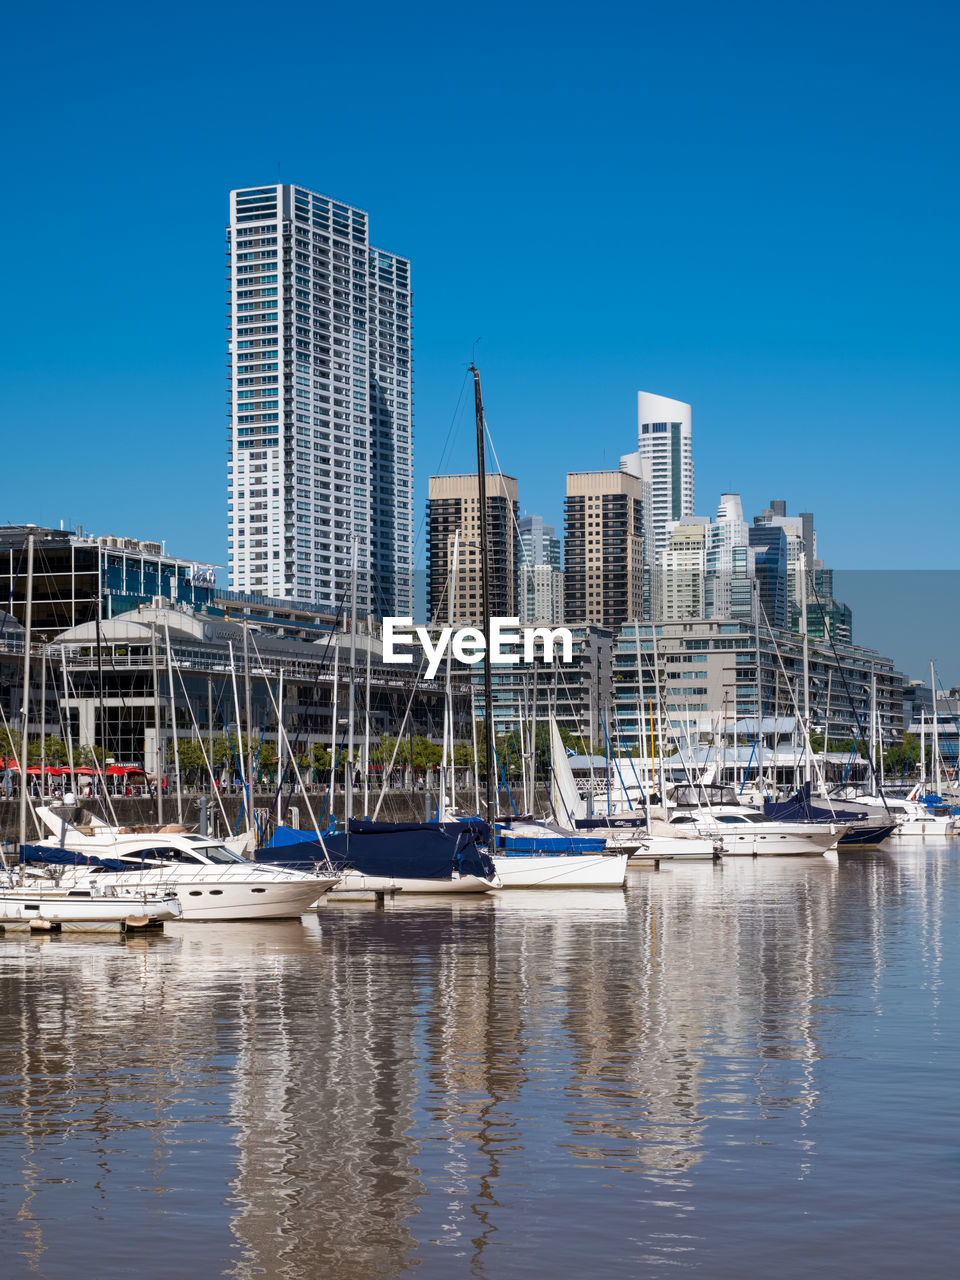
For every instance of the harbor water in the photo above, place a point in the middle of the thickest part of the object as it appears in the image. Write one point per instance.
(743, 1070)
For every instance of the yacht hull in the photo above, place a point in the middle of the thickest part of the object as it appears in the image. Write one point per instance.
(561, 871)
(678, 849)
(354, 885)
(749, 842)
(46, 907)
(221, 896)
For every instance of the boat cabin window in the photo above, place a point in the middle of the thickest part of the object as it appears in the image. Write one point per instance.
(161, 854)
(218, 853)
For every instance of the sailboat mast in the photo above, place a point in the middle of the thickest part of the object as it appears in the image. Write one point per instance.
(446, 766)
(173, 722)
(366, 725)
(807, 762)
(642, 727)
(240, 764)
(25, 721)
(351, 692)
(249, 718)
(936, 732)
(69, 722)
(485, 609)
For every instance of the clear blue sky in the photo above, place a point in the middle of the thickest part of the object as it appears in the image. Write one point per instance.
(748, 206)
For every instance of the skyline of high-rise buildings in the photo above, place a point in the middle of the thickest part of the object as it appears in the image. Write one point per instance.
(321, 452)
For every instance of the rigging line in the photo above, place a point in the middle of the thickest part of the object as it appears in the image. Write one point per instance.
(443, 453)
(503, 776)
(856, 715)
(295, 744)
(13, 582)
(528, 563)
(616, 765)
(951, 716)
(416, 681)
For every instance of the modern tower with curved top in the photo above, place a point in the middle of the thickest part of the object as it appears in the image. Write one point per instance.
(665, 439)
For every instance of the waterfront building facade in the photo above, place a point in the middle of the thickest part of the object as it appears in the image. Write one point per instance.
(705, 674)
(320, 430)
(575, 693)
(79, 577)
(453, 508)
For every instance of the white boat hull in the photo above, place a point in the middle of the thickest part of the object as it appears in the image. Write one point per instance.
(678, 848)
(43, 906)
(926, 828)
(561, 871)
(215, 894)
(353, 884)
(756, 842)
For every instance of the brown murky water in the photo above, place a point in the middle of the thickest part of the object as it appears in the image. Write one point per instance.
(747, 1071)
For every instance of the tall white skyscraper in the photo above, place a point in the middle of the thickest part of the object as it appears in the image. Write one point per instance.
(320, 403)
(665, 439)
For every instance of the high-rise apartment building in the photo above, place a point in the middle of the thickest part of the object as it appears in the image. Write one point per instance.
(731, 562)
(683, 570)
(713, 568)
(320, 403)
(540, 575)
(604, 559)
(453, 507)
(665, 439)
(539, 543)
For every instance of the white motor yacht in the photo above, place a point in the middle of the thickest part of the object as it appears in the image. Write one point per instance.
(211, 881)
(750, 834)
(912, 817)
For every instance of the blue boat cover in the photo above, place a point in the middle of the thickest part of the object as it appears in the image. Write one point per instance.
(402, 850)
(800, 808)
(549, 842)
(35, 853)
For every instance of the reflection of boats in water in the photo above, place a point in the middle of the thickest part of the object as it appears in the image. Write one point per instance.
(571, 903)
